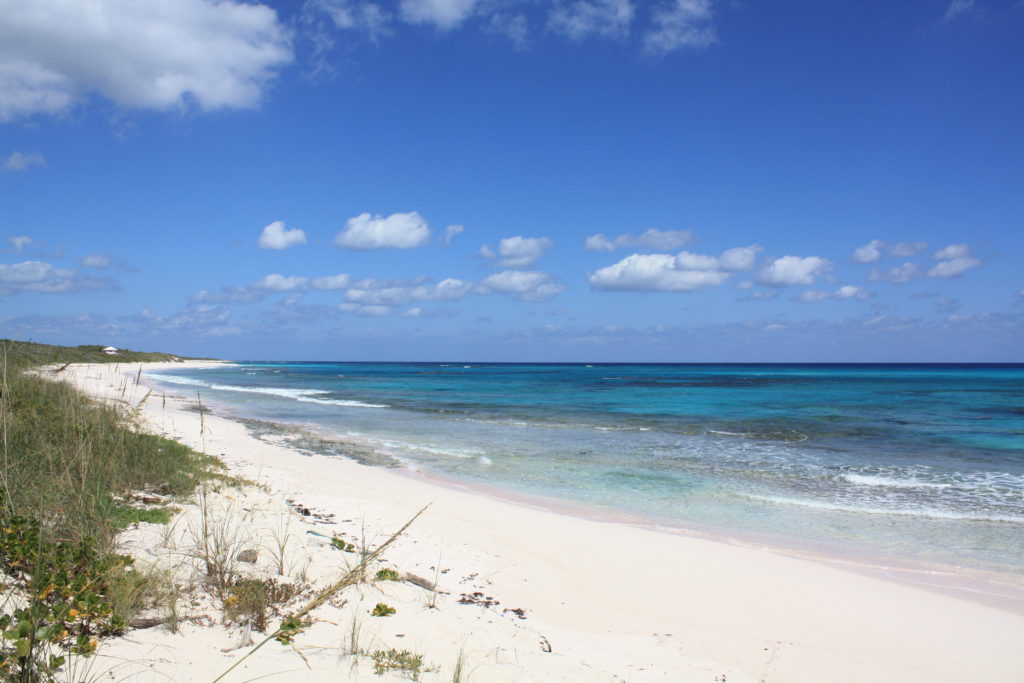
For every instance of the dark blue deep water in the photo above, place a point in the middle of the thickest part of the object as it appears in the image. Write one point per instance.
(906, 461)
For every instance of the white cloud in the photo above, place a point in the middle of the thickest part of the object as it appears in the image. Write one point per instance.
(451, 232)
(444, 14)
(953, 251)
(896, 274)
(844, 293)
(398, 292)
(954, 260)
(872, 251)
(238, 295)
(793, 270)
(332, 282)
(852, 292)
(37, 276)
(528, 285)
(98, 261)
(346, 14)
(681, 24)
(19, 161)
(661, 240)
(275, 236)
(685, 272)
(149, 54)
(657, 273)
(582, 18)
(281, 283)
(686, 260)
(958, 7)
(19, 242)
(953, 267)
(739, 258)
(518, 252)
(904, 249)
(869, 253)
(399, 231)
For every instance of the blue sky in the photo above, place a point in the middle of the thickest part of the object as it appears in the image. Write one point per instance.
(589, 180)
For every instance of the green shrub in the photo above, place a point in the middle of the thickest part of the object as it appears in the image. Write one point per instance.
(406, 662)
(342, 544)
(67, 599)
(388, 574)
(383, 610)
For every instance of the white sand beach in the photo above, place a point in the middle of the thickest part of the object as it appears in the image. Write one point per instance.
(552, 597)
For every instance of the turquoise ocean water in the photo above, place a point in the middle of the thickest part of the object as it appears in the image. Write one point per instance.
(915, 462)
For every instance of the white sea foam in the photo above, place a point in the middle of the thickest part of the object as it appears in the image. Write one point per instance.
(893, 482)
(929, 513)
(175, 379)
(270, 391)
(341, 402)
(303, 395)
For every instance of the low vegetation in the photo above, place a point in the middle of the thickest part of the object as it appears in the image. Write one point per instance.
(67, 463)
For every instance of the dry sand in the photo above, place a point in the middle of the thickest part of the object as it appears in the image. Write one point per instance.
(611, 601)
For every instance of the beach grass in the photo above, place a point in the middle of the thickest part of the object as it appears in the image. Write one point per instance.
(67, 464)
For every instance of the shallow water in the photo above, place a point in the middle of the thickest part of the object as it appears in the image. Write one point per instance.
(922, 462)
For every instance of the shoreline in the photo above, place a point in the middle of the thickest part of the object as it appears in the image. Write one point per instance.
(1000, 589)
(635, 601)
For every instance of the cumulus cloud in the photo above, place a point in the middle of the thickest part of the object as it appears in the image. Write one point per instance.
(332, 282)
(281, 283)
(661, 240)
(398, 231)
(98, 261)
(739, 258)
(873, 250)
(527, 285)
(444, 14)
(656, 273)
(904, 249)
(953, 251)
(953, 267)
(844, 293)
(684, 272)
(518, 252)
(953, 261)
(149, 54)
(793, 270)
(370, 291)
(582, 18)
(869, 253)
(451, 232)
(275, 282)
(37, 276)
(896, 275)
(276, 236)
(681, 24)
(19, 161)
